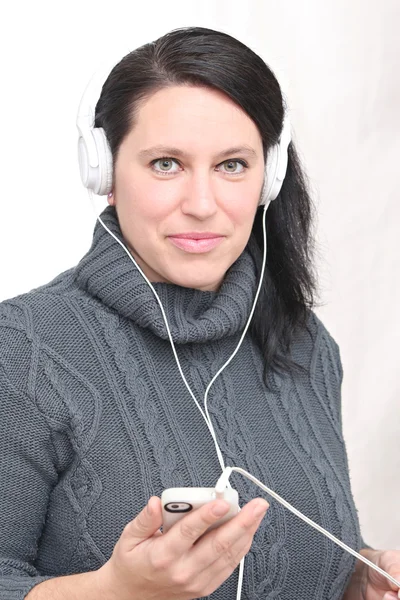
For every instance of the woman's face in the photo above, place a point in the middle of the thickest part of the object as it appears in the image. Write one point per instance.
(193, 183)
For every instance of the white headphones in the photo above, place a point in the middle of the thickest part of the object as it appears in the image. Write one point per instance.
(96, 164)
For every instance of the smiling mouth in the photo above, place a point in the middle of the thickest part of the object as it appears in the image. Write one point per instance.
(196, 246)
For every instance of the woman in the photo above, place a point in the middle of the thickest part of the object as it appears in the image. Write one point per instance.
(95, 419)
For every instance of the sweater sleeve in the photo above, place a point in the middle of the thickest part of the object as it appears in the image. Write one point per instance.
(27, 475)
(329, 347)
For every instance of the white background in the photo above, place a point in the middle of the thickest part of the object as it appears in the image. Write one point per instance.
(340, 64)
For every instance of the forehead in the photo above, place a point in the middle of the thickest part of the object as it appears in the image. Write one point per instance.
(178, 114)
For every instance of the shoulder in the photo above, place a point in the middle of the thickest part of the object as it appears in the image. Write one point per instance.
(315, 348)
(326, 349)
(44, 308)
(40, 332)
(36, 321)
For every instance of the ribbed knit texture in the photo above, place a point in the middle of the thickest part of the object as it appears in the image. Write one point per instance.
(95, 418)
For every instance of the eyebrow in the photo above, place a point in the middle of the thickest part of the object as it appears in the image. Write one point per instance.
(171, 151)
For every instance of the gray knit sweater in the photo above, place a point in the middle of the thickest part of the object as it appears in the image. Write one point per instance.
(95, 418)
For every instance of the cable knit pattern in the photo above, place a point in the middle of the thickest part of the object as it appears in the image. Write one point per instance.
(139, 389)
(95, 418)
(235, 440)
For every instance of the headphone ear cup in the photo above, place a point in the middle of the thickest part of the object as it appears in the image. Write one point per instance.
(271, 186)
(97, 178)
(83, 158)
(104, 176)
(276, 167)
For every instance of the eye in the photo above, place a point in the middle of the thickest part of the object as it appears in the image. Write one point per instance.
(165, 161)
(235, 161)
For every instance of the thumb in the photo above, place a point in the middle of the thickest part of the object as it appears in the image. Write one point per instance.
(144, 526)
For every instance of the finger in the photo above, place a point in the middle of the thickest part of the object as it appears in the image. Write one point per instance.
(146, 524)
(231, 540)
(214, 580)
(210, 579)
(181, 537)
(389, 561)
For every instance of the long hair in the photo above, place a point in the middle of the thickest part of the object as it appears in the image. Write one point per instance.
(204, 57)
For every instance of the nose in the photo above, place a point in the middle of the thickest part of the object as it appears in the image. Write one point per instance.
(199, 198)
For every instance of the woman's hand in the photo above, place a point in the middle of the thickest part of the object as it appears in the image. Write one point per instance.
(374, 585)
(147, 564)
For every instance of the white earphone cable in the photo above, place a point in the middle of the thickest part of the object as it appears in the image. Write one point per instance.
(223, 481)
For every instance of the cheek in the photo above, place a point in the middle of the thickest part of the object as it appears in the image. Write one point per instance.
(143, 207)
(142, 222)
(242, 214)
(241, 205)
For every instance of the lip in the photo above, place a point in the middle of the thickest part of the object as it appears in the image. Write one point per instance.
(194, 235)
(196, 245)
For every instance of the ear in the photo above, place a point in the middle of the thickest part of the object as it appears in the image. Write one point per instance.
(111, 199)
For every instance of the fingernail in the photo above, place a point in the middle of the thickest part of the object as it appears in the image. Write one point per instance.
(260, 509)
(390, 596)
(220, 509)
(149, 509)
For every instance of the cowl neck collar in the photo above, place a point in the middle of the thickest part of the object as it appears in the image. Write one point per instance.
(108, 274)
